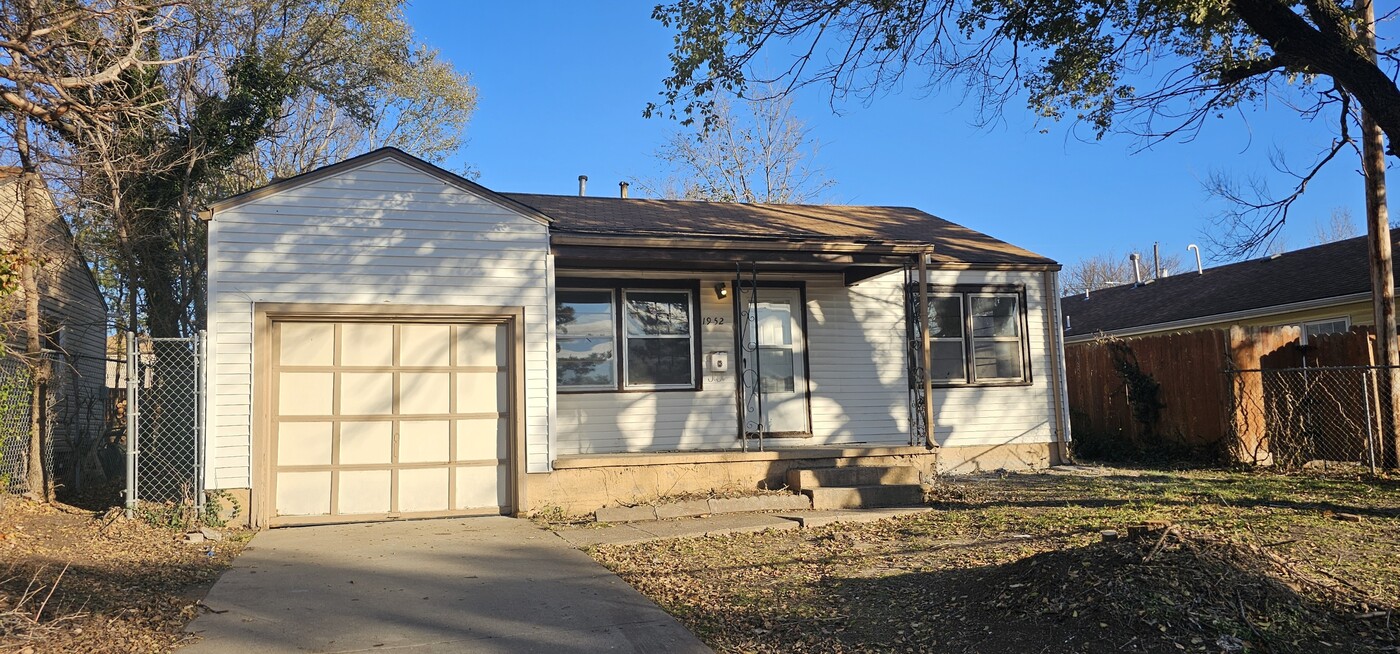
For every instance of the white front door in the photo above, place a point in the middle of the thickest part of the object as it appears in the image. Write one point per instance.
(773, 358)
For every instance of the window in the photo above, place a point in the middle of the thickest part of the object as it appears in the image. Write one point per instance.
(585, 340)
(983, 327)
(624, 338)
(1329, 326)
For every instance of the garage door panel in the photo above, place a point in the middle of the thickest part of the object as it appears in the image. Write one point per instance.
(424, 441)
(365, 344)
(481, 345)
(480, 392)
(423, 393)
(367, 393)
(423, 489)
(366, 443)
(364, 491)
(306, 393)
(304, 493)
(384, 420)
(308, 344)
(480, 439)
(480, 487)
(425, 345)
(304, 443)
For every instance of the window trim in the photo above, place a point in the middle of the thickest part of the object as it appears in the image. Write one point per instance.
(966, 292)
(618, 289)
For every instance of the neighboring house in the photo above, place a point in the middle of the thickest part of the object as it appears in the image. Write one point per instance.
(389, 339)
(73, 319)
(1322, 289)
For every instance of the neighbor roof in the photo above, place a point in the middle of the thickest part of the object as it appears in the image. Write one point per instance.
(605, 216)
(1311, 275)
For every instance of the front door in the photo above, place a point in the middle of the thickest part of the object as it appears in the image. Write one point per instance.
(773, 358)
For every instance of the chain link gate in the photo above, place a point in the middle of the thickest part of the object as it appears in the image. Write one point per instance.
(1315, 417)
(166, 398)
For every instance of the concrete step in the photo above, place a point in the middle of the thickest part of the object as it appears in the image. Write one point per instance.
(864, 497)
(804, 478)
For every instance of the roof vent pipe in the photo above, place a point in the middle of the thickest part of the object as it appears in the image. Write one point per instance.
(582, 185)
(1137, 270)
(623, 186)
(1195, 248)
(1156, 260)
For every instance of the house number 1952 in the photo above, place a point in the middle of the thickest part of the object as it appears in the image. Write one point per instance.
(714, 320)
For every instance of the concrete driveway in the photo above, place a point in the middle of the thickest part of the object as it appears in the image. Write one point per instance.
(491, 584)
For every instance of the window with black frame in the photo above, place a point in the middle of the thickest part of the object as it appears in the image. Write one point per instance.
(624, 339)
(977, 336)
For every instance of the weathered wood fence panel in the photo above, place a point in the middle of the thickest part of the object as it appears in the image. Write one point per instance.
(1166, 390)
(1177, 392)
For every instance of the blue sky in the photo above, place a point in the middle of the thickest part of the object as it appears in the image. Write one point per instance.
(562, 86)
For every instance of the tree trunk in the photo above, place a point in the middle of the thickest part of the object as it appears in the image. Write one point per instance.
(1382, 268)
(36, 479)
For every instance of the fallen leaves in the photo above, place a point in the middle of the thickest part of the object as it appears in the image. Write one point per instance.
(1018, 564)
(73, 581)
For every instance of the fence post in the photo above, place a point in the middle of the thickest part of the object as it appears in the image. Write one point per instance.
(201, 406)
(132, 370)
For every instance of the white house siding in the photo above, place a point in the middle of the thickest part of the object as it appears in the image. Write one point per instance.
(1004, 415)
(857, 371)
(381, 233)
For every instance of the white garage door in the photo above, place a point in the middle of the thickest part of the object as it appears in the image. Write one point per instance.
(377, 420)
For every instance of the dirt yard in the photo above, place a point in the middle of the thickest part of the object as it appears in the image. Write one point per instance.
(1017, 564)
(75, 581)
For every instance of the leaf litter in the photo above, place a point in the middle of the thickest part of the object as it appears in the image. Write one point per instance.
(1017, 564)
(75, 581)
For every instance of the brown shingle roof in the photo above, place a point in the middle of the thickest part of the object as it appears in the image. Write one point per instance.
(835, 223)
(1325, 271)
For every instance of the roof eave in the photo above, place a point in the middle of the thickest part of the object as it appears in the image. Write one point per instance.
(1243, 314)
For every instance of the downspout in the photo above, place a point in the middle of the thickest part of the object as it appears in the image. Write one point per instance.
(1057, 365)
(926, 350)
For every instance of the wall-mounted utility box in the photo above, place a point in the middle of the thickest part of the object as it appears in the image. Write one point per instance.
(719, 362)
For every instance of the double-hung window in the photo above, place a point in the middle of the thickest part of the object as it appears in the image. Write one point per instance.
(625, 339)
(977, 336)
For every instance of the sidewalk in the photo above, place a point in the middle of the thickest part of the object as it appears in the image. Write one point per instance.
(592, 535)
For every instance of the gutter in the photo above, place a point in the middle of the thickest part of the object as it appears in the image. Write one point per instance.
(1245, 314)
(769, 245)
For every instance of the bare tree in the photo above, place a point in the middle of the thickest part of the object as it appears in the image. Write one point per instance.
(1339, 226)
(758, 152)
(1102, 271)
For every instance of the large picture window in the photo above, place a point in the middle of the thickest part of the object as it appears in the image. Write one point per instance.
(977, 336)
(625, 339)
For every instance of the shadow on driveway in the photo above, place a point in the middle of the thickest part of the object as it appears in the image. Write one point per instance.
(490, 584)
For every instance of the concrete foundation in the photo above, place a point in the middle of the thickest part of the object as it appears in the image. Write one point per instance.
(584, 483)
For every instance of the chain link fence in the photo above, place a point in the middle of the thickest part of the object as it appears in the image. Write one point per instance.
(165, 420)
(16, 390)
(80, 449)
(1313, 418)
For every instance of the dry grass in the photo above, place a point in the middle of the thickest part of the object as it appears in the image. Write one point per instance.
(73, 581)
(1015, 564)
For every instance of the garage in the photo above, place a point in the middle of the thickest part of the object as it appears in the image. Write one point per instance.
(374, 419)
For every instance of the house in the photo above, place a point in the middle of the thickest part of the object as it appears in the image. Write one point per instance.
(1321, 289)
(389, 339)
(73, 320)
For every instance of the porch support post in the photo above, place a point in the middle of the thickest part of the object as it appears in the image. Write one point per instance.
(926, 351)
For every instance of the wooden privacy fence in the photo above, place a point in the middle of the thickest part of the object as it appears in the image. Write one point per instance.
(1252, 394)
